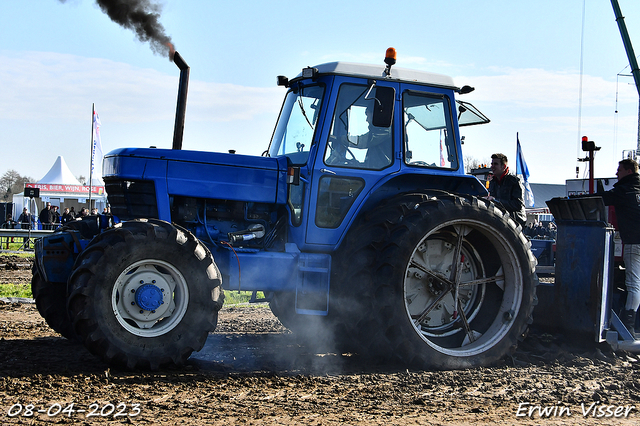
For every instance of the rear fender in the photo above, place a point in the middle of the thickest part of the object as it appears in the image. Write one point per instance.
(406, 183)
(418, 183)
(56, 254)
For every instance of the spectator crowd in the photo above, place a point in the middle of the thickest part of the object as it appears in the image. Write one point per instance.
(49, 217)
(540, 231)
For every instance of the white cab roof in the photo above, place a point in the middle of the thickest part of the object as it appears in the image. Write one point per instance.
(377, 72)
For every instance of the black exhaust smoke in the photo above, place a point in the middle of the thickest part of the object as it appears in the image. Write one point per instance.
(143, 17)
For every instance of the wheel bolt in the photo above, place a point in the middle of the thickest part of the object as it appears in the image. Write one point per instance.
(133, 291)
(153, 312)
(133, 303)
(141, 281)
(153, 282)
(141, 311)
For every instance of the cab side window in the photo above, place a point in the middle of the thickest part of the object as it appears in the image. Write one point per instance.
(354, 141)
(429, 141)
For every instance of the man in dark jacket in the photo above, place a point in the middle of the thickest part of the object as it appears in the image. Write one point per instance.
(26, 220)
(66, 216)
(506, 189)
(625, 197)
(46, 217)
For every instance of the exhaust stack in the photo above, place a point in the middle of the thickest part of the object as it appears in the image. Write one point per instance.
(181, 109)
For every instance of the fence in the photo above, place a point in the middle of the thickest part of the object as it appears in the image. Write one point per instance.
(24, 237)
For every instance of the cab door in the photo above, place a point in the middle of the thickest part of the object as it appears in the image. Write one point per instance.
(355, 153)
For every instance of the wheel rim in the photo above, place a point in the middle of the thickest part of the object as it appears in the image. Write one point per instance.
(150, 298)
(487, 300)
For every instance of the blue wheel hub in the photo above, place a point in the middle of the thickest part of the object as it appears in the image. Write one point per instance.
(149, 297)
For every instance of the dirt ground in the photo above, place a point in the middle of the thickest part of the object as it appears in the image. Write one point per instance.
(252, 371)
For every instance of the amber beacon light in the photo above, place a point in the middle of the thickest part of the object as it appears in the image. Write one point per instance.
(390, 56)
(389, 59)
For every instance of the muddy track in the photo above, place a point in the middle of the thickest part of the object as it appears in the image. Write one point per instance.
(253, 371)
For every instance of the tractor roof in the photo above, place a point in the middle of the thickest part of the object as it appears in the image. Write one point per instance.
(377, 72)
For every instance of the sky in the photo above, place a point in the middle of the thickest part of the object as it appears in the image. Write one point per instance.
(533, 63)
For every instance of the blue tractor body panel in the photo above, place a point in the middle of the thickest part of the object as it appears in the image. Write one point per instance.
(202, 174)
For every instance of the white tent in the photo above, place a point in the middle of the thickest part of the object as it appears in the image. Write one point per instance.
(61, 188)
(60, 174)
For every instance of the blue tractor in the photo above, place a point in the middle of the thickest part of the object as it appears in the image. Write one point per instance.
(358, 225)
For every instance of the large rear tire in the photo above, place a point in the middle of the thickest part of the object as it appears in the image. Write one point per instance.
(441, 282)
(51, 301)
(144, 295)
(51, 297)
(282, 306)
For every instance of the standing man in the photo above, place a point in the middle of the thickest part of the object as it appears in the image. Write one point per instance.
(9, 223)
(66, 216)
(506, 189)
(46, 217)
(56, 215)
(26, 220)
(625, 197)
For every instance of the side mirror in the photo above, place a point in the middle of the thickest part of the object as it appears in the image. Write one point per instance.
(466, 89)
(383, 106)
(461, 110)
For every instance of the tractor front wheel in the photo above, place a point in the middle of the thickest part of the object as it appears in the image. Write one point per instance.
(145, 294)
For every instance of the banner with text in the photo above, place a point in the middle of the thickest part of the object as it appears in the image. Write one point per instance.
(65, 189)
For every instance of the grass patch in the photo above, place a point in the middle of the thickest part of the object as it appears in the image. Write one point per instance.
(16, 253)
(15, 290)
(237, 297)
(24, 290)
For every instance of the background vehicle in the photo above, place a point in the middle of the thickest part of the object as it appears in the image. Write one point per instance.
(358, 224)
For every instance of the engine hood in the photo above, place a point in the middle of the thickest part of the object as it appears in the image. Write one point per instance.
(202, 174)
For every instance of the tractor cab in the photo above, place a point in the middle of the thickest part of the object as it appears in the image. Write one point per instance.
(353, 131)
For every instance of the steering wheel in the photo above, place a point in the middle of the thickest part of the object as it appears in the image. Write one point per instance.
(339, 151)
(421, 163)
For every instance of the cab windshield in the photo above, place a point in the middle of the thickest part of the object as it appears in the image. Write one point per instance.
(297, 123)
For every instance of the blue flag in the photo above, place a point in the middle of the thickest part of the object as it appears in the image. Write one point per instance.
(523, 172)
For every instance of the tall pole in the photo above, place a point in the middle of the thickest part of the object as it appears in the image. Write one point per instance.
(628, 47)
(591, 172)
(93, 113)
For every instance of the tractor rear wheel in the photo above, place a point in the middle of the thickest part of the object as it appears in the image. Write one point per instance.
(51, 301)
(145, 294)
(51, 297)
(441, 282)
(282, 306)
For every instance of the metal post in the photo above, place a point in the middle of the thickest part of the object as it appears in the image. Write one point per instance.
(93, 112)
(591, 172)
(590, 147)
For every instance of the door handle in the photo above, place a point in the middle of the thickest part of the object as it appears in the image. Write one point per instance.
(327, 171)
